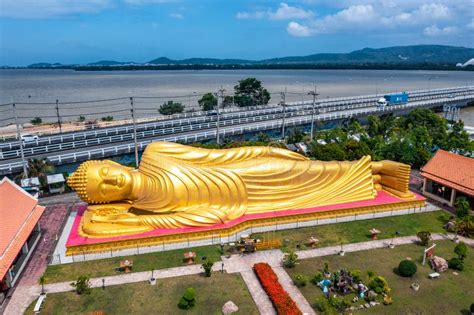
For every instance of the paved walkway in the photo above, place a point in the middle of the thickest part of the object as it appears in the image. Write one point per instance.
(24, 295)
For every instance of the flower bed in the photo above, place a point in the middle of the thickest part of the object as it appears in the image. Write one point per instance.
(283, 303)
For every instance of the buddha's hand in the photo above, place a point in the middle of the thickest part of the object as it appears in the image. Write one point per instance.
(109, 209)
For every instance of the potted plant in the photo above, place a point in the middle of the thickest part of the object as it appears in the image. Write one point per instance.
(341, 252)
(415, 286)
(152, 279)
(326, 272)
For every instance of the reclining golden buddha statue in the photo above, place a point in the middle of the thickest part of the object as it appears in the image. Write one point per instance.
(182, 186)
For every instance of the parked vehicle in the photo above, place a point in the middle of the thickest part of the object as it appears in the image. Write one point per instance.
(29, 138)
(393, 99)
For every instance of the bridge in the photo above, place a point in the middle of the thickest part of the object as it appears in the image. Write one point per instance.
(199, 126)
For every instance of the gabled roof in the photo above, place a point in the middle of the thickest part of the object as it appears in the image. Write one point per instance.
(451, 170)
(19, 213)
(55, 178)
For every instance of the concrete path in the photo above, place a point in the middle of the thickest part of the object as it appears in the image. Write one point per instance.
(24, 295)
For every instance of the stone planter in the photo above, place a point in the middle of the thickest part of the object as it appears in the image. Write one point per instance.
(391, 245)
(415, 286)
(152, 281)
(342, 253)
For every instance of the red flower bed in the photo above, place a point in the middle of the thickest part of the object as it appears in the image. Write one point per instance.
(283, 303)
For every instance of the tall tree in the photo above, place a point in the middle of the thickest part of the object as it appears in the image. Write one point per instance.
(250, 92)
(208, 102)
(170, 108)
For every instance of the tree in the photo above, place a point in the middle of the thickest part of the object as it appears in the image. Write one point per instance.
(296, 135)
(263, 137)
(107, 118)
(249, 92)
(208, 102)
(81, 118)
(462, 207)
(424, 237)
(188, 299)
(436, 125)
(170, 108)
(328, 152)
(82, 285)
(461, 250)
(458, 139)
(228, 101)
(290, 260)
(207, 266)
(356, 149)
(36, 121)
(39, 168)
(42, 281)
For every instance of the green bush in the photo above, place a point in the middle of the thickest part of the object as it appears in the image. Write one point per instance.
(379, 285)
(82, 285)
(170, 108)
(300, 280)
(323, 305)
(188, 299)
(107, 118)
(317, 277)
(207, 266)
(456, 263)
(81, 118)
(461, 250)
(407, 268)
(290, 260)
(424, 237)
(356, 276)
(36, 121)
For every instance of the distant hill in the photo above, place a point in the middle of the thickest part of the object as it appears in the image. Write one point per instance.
(397, 57)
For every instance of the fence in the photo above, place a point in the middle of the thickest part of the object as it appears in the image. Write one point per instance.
(218, 239)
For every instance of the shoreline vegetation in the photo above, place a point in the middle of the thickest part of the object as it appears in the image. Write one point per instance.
(276, 66)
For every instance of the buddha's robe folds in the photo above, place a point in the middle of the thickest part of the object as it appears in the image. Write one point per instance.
(188, 186)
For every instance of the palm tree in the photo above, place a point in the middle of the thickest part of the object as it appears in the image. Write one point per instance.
(42, 281)
(38, 168)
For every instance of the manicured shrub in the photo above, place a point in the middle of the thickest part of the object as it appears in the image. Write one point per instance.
(424, 237)
(456, 263)
(283, 303)
(317, 278)
(356, 276)
(461, 250)
(188, 299)
(407, 268)
(36, 121)
(300, 280)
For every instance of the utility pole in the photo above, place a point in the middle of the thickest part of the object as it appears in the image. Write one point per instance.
(134, 131)
(283, 104)
(18, 134)
(313, 112)
(220, 96)
(59, 117)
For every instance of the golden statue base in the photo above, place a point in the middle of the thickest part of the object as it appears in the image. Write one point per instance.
(167, 239)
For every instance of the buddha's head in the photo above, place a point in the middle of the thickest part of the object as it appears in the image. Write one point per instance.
(102, 181)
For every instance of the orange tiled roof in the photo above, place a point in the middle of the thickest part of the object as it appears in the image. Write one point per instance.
(19, 213)
(452, 170)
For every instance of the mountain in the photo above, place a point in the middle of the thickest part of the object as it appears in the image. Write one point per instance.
(399, 54)
(402, 57)
(199, 61)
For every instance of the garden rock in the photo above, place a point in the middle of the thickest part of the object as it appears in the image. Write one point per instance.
(439, 264)
(229, 308)
(372, 295)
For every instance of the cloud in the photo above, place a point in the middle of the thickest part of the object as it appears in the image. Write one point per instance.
(177, 16)
(50, 8)
(284, 12)
(298, 30)
(371, 17)
(434, 30)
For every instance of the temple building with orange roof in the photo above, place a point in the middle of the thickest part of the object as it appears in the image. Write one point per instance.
(20, 232)
(448, 176)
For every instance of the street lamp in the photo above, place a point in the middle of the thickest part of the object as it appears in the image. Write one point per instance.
(314, 94)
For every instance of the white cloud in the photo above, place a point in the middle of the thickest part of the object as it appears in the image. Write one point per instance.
(434, 30)
(298, 30)
(50, 8)
(284, 12)
(435, 11)
(178, 16)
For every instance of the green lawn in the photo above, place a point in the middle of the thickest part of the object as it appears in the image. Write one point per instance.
(330, 234)
(142, 298)
(449, 294)
(143, 262)
(358, 231)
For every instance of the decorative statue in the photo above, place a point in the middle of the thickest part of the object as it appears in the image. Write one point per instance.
(183, 186)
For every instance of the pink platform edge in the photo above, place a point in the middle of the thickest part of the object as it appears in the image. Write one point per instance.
(75, 239)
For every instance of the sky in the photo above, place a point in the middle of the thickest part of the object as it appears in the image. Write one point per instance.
(83, 31)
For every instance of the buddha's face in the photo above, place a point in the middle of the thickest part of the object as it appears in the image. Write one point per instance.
(108, 181)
